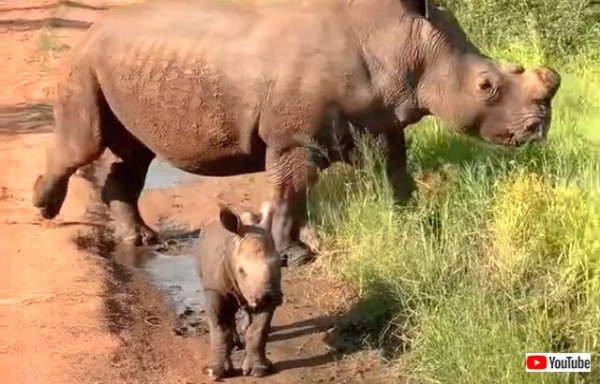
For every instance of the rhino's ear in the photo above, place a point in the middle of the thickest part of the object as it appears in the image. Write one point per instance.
(419, 7)
(230, 221)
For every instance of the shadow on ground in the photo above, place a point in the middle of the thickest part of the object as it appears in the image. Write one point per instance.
(24, 25)
(25, 118)
(65, 3)
(344, 334)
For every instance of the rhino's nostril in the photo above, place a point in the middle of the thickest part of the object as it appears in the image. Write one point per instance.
(535, 127)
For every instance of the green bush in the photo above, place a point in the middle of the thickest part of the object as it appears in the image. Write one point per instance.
(498, 253)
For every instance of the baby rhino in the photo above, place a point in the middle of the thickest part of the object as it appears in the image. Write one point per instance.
(239, 268)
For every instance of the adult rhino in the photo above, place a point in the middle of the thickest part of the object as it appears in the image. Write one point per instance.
(220, 88)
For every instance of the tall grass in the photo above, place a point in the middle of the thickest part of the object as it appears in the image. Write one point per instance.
(498, 253)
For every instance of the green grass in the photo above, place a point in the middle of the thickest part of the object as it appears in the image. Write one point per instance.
(498, 253)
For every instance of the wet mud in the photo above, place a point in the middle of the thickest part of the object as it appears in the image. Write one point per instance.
(169, 267)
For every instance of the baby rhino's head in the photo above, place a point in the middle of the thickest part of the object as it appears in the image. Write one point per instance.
(255, 265)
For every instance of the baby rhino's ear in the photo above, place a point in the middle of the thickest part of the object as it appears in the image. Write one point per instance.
(230, 221)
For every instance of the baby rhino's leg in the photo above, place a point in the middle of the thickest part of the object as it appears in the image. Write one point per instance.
(256, 362)
(221, 318)
(243, 320)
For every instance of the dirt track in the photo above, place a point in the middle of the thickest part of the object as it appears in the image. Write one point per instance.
(69, 312)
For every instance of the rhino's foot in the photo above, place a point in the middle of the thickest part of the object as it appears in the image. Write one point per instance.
(220, 371)
(141, 234)
(296, 255)
(49, 195)
(256, 368)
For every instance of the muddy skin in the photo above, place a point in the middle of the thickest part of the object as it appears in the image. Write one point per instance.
(239, 269)
(220, 88)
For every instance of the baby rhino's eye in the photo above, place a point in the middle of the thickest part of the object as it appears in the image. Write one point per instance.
(241, 271)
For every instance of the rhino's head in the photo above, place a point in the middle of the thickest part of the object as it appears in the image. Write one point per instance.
(502, 103)
(450, 78)
(255, 266)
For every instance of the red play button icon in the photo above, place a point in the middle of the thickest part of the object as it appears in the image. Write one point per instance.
(536, 362)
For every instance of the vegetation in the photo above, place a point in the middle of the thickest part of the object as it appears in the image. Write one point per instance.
(498, 253)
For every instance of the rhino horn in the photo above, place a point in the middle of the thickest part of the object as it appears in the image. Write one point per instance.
(548, 82)
(266, 215)
(248, 218)
(511, 68)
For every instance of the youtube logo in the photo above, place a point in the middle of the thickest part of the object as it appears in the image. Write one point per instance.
(536, 362)
(558, 362)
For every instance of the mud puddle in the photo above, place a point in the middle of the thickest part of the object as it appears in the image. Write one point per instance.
(162, 175)
(168, 267)
(171, 268)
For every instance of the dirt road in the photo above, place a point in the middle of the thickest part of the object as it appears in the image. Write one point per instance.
(70, 313)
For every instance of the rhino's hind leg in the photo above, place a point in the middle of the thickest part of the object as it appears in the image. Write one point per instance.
(124, 185)
(76, 140)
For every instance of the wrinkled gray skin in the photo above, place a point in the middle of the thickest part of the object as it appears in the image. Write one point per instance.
(220, 88)
(239, 268)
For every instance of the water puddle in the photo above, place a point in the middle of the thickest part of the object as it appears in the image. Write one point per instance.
(169, 267)
(176, 276)
(162, 175)
(171, 270)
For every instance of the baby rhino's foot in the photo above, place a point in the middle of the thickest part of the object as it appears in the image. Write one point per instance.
(220, 371)
(256, 368)
(136, 234)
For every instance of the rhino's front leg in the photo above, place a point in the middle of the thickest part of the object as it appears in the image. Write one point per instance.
(396, 163)
(256, 362)
(290, 175)
(220, 321)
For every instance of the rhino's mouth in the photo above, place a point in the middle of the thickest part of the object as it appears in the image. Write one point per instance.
(534, 132)
(268, 301)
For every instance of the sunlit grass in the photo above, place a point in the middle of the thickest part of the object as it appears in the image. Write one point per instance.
(498, 254)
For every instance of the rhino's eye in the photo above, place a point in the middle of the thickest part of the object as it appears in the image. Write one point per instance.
(241, 271)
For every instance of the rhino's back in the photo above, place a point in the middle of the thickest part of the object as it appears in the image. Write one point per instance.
(190, 78)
